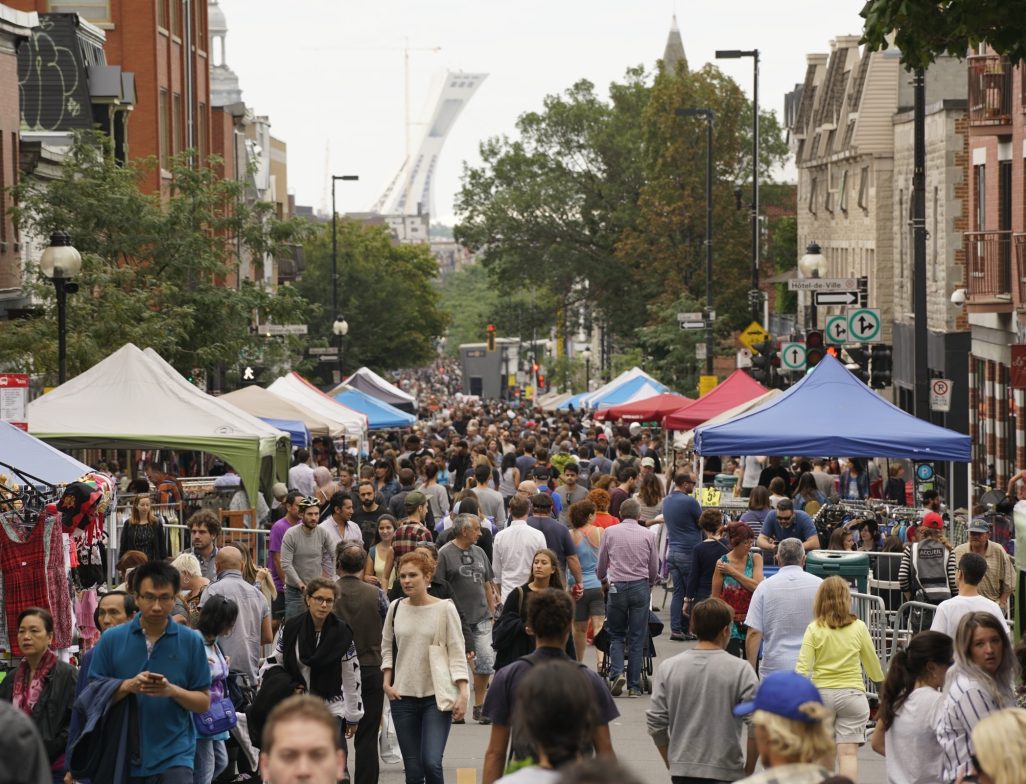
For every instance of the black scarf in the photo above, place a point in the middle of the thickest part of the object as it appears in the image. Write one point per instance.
(323, 656)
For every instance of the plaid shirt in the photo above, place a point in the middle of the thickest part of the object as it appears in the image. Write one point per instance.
(407, 537)
(798, 773)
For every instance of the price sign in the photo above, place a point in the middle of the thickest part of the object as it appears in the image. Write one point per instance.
(13, 398)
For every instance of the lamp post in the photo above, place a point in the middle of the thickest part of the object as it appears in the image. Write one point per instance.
(736, 54)
(334, 259)
(340, 328)
(708, 115)
(60, 263)
(586, 353)
(812, 265)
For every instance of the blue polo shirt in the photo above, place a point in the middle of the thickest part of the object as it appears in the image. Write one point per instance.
(801, 527)
(166, 731)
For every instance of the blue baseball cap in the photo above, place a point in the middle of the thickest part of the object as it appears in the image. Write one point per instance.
(783, 694)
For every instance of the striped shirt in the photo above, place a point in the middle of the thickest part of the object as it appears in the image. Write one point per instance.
(627, 553)
(966, 701)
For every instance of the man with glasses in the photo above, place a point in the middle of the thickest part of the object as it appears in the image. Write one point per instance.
(785, 522)
(164, 664)
(465, 567)
(680, 518)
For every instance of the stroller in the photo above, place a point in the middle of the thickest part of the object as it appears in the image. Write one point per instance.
(655, 628)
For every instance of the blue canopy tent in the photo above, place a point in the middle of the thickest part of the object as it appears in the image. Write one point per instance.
(636, 389)
(379, 413)
(36, 458)
(830, 412)
(297, 431)
(574, 401)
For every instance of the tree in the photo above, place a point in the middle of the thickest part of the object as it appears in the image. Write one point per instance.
(925, 29)
(387, 293)
(153, 269)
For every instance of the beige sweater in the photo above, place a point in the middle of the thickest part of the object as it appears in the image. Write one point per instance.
(414, 632)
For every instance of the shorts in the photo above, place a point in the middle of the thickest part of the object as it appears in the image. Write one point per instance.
(851, 712)
(591, 604)
(484, 653)
(278, 606)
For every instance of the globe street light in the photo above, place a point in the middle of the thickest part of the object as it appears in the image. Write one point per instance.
(813, 265)
(340, 328)
(60, 263)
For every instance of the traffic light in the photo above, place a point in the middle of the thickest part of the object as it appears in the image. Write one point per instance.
(880, 369)
(814, 347)
(765, 360)
(491, 337)
(859, 364)
(541, 383)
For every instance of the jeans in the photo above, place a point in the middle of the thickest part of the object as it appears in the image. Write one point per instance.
(211, 759)
(175, 775)
(365, 744)
(679, 563)
(422, 731)
(627, 618)
(294, 602)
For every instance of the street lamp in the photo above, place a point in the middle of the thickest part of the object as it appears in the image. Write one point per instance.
(736, 54)
(340, 328)
(708, 115)
(334, 261)
(586, 353)
(813, 265)
(60, 263)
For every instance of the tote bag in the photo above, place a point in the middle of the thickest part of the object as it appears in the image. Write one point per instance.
(446, 692)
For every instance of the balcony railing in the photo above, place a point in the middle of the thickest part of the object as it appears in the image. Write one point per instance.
(989, 260)
(1019, 243)
(990, 90)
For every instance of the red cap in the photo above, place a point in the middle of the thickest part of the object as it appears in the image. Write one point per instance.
(933, 520)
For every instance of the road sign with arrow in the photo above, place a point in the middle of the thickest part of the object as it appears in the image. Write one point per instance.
(837, 330)
(836, 297)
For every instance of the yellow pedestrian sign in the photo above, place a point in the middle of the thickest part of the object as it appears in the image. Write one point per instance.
(752, 334)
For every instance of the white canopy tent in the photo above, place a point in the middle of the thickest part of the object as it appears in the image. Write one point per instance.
(341, 419)
(262, 403)
(366, 380)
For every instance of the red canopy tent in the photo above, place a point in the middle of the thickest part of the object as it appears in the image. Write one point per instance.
(651, 409)
(737, 389)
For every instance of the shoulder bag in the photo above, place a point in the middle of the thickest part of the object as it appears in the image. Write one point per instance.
(446, 691)
(220, 717)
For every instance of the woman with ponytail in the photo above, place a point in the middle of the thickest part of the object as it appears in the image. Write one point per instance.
(909, 700)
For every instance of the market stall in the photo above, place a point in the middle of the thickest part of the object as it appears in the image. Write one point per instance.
(379, 414)
(267, 405)
(738, 388)
(651, 409)
(341, 419)
(366, 380)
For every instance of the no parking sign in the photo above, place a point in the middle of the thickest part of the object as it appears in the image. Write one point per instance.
(940, 395)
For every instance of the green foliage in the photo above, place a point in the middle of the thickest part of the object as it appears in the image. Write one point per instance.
(783, 255)
(152, 269)
(925, 29)
(387, 293)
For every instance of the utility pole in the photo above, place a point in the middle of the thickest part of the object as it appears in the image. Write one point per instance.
(922, 381)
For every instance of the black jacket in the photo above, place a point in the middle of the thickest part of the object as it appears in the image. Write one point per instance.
(108, 744)
(52, 713)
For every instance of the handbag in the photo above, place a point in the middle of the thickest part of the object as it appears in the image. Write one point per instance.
(446, 691)
(219, 718)
(388, 741)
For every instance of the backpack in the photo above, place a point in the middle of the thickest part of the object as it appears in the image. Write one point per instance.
(930, 572)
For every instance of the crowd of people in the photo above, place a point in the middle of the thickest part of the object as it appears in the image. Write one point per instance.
(468, 569)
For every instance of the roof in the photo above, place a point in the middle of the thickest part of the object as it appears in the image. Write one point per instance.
(264, 404)
(379, 413)
(366, 380)
(646, 410)
(831, 412)
(36, 458)
(738, 388)
(341, 419)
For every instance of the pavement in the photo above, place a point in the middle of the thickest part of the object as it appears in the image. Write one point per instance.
(631, 740)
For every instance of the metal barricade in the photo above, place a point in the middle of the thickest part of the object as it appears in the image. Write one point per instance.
(883, 580)
(910, 619)
(872, 612)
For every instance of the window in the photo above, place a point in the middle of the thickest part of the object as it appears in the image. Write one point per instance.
(162, 20)
(175, 7)
(934, 233)
(97, 11)
(980, 205)
(863, 201)
(3, 190)
(14, 180)
(163, 110)
(901, 236)
(812, 195)
(842, 201)
(201, 133)
(176, 124)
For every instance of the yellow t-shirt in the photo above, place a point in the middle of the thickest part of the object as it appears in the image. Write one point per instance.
(834, 658)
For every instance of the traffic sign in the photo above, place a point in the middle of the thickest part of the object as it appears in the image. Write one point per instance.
(835, 297)
(744, 358)
(752, 334)
(940, 395)
(864, 325)
(281, 329)
(706, 384)
(693, 316)
(822, 284)
(792, 356)
(837, 330)
(700, 351)
(692, 325)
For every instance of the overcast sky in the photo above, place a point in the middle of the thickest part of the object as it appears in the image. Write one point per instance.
(331, 71)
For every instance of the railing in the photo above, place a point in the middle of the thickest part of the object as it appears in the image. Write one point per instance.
(989, 261)
(990, 90)
(1019, 242)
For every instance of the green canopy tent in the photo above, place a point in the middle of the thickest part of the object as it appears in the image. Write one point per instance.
(135, 400)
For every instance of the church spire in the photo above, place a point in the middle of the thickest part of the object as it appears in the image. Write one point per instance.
(674, 52)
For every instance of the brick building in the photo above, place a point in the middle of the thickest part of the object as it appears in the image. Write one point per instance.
(995, 248)
(164, 43)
